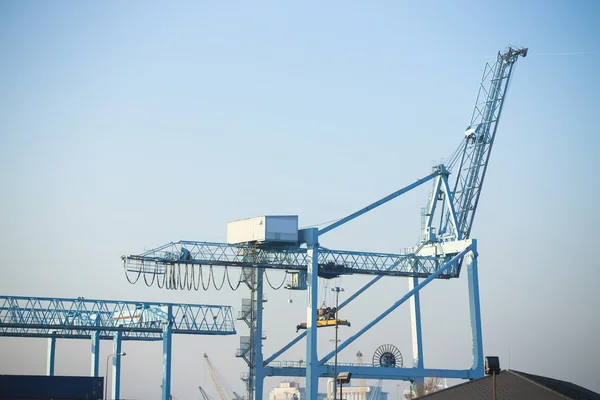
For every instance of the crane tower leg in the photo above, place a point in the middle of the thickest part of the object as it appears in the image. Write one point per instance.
(312, 282)
(415, 322)
(167, 340)
(51, 354)
(95, 353)
(475, 312)
(259, 375)
(116, 371)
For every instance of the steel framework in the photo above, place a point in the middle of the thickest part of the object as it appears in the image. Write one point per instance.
(80, 318)
(444, 250)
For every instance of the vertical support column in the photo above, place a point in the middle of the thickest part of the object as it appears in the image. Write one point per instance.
(475, 311)
(415, 324)
(167, 338)
(95, 353)
(116, 372)
(258, 334)
(311, 237)
(51, 354)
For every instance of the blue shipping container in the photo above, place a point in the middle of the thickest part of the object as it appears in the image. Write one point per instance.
(51, 387)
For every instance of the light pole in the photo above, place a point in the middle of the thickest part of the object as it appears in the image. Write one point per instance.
(106, 375)
(337, 291)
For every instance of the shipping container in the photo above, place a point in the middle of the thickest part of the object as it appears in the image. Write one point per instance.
(51, 387)
(265, 229)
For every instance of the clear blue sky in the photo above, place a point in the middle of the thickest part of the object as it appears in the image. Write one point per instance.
(124, 126)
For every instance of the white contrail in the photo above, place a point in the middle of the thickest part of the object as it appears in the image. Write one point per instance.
(565, 54)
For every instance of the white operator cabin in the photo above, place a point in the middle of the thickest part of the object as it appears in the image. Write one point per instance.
(266, 229)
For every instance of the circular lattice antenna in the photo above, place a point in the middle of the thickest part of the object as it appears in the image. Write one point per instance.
(387, 356)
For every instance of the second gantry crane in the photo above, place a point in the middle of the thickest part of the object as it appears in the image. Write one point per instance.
(445, 248)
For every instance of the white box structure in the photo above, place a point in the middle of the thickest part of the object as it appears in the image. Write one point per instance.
(268, 228)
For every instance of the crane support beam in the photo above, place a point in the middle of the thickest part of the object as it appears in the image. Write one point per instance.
(167, 354)
(475, 311)
(80, 318)
(377, 203)
(165, 259)
(367, 372)
(303, 334)
(95, 364)
(415, 324)
(51, 356)
(312, 282)
(259, 374)
(116, 366)
(450, 264)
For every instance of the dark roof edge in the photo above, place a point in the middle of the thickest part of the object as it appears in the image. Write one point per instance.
(452, 387)
(522, 376)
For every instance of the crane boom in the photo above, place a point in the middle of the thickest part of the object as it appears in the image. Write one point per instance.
(331, 262)
(216, 381)
(479, 139)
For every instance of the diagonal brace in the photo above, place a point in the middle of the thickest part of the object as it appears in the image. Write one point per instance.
(378, 203)
(344, 303)
(407, 296)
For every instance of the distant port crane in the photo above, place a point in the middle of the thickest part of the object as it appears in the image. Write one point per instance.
(445, 248)
(218, 383)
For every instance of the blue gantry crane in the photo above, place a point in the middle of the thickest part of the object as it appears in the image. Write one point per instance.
(66, 318)
(445, 247)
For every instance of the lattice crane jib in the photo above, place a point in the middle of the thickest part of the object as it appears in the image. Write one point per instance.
(188, 264)
(78, 318)
(472, 157)
(214, 378)
(225, 392)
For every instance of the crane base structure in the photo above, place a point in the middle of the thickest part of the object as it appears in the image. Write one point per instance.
(445, 249)
(65, 318)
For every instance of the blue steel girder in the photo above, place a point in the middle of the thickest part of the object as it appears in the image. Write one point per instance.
(290, 368)
(162, 260)
(79, 318)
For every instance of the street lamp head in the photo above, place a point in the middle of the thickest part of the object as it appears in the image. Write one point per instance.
(122, 354)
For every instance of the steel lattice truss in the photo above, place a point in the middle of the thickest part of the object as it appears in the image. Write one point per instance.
(331, 262)
(479, 137)
(78, 318)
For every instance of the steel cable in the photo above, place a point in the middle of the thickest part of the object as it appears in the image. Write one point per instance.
(212, 271)
(169, 275)
(208, 285)
(197, 287)
(153, 276)
(239, 282)
(174, 278)
(164, 277)
(127, 275)
(282, 282)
